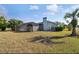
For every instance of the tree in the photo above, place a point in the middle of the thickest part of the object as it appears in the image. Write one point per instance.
(60, 26)
(69, 26)
(12, 23)
(74, 15)
(3, 23)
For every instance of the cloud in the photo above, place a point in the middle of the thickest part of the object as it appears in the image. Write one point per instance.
(72, 8)
(34, 7)
(25, 19)
(53, 9)
(3, 12)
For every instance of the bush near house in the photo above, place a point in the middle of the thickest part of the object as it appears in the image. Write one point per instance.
(3, 27)
(12, 23)
(3, 23)
(59, 28)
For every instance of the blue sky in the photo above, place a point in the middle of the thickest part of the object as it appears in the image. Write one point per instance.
(35, 12)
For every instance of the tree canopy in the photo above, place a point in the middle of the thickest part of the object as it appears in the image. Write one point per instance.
(74, 16)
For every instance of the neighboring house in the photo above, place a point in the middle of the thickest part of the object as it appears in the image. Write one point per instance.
(29, 27)
(42, 26)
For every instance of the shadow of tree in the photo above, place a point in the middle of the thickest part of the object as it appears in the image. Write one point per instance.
(47, 40)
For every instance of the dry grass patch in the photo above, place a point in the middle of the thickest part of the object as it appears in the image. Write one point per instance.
(19, 42)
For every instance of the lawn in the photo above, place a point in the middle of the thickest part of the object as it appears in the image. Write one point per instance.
(19, 42)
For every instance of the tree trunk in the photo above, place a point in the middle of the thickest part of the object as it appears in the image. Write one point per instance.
(13, 28)
(74, 32)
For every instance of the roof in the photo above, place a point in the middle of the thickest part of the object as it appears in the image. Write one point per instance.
(32, 23)
(35, 24)
(51, 22)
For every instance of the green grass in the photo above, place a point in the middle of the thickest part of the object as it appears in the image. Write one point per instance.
(69, 45)
(19, 42)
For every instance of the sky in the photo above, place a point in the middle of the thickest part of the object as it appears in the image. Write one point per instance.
(36, 12)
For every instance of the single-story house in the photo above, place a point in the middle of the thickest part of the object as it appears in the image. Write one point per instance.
(29, 27)
(42, 26)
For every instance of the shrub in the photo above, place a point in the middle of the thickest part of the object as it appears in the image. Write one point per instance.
(14, 22)
(3, 27)
(69, 26)
(59, 28)
(3, 23)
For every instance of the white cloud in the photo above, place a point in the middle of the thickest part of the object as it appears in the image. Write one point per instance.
(53, 9)
(34, 7)
(26, 19)
(30, 19)
(72, 8)
(3, 12)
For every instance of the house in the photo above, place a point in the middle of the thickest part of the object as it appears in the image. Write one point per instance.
(48, 25)
(29, 27)
(42, 26)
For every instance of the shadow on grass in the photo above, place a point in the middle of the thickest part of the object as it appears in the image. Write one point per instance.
(47, 40)
(6, 31)
(21, 32)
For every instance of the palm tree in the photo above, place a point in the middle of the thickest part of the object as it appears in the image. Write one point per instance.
(74, 15)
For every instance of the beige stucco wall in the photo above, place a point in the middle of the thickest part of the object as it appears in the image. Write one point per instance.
(22, 28)
(35, 28)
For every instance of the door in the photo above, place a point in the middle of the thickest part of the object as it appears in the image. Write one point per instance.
(29, 28)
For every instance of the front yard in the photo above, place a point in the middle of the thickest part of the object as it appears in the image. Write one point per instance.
(19, 42)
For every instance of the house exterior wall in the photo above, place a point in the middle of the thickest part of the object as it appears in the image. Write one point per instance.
(21, 28)
(51, 26)
(40, 27)
(25, 28)
(47, 26)
(35, 28)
